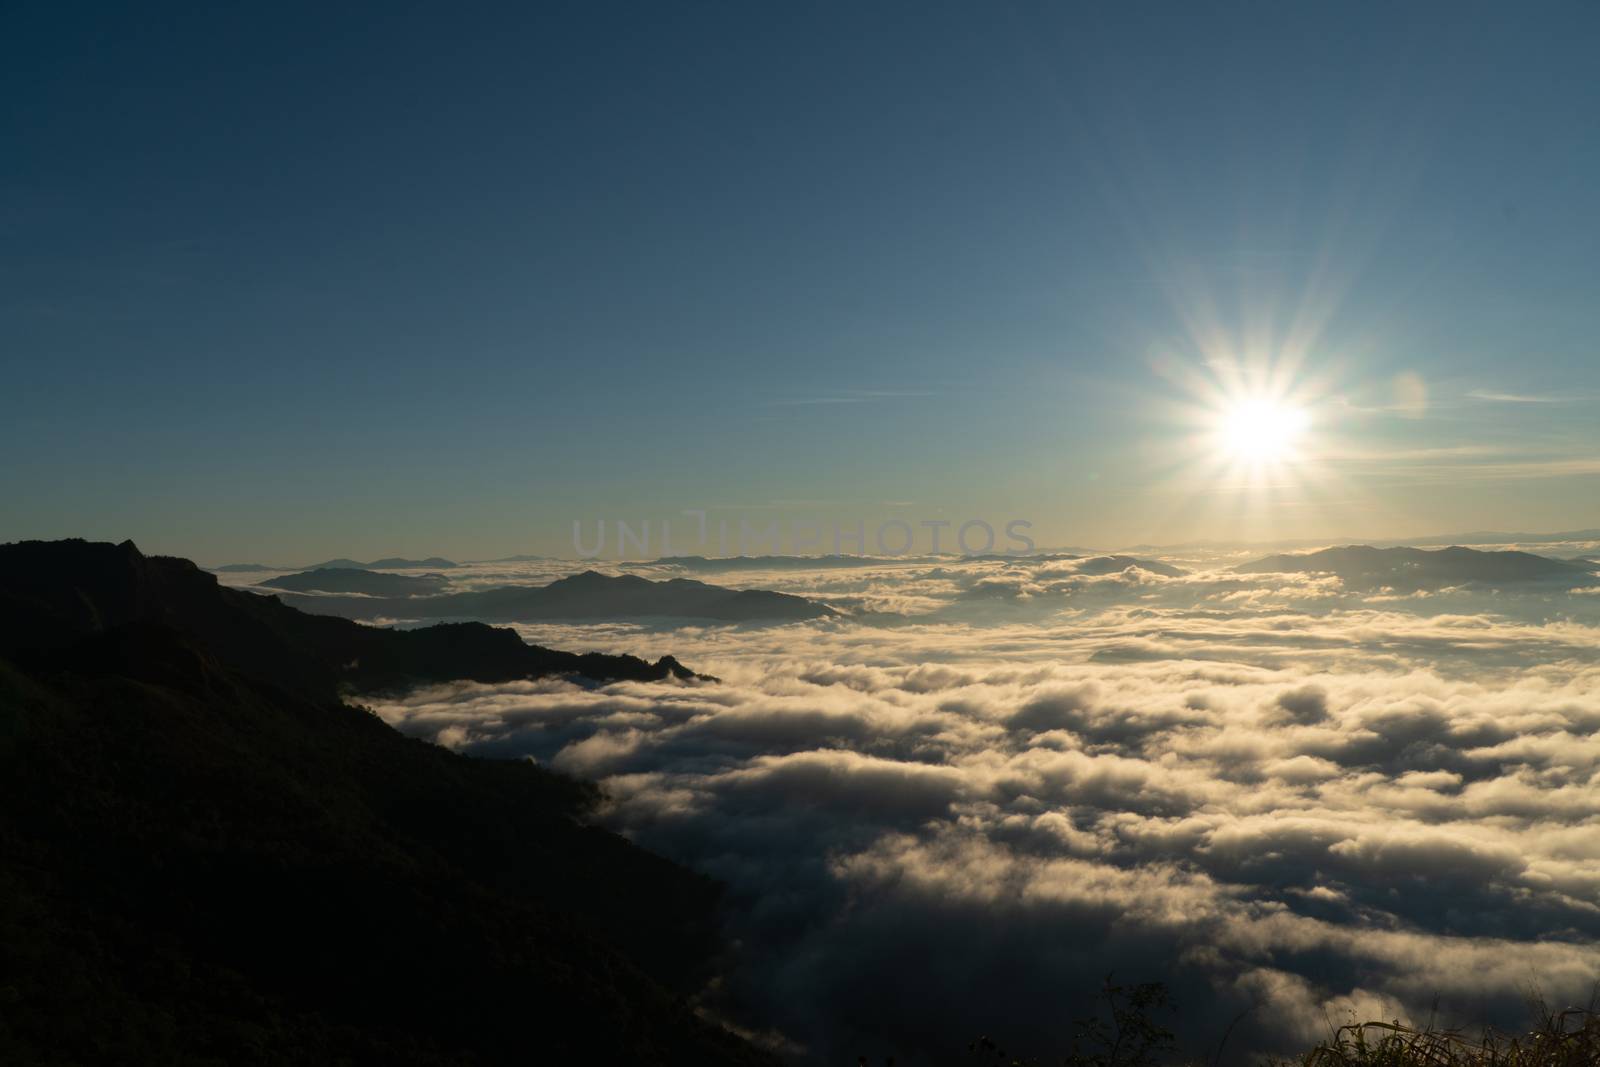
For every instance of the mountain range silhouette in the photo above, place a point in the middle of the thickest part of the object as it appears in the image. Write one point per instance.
(1364, 566)
(589, 595)
(212, 858)
(54, 593)
(355, 580)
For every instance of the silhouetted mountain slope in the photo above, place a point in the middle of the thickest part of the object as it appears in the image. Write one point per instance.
(589, 595)
(196, 868)
(388, 563)
(53, 593)
(1493, 537)
(1415, 568)
(351, 580)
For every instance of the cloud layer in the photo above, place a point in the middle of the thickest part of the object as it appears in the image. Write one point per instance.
(1283, 798)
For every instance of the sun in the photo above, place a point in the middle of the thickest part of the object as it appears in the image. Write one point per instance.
(1250, 440)
(1258, 431)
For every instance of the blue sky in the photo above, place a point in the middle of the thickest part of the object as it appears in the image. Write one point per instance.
(290, 282)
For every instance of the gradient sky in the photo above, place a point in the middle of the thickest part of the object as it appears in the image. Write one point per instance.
(293, 281)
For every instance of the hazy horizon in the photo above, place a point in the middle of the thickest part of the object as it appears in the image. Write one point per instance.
(1530, 540)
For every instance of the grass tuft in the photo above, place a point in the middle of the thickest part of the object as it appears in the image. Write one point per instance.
(1568, 1038)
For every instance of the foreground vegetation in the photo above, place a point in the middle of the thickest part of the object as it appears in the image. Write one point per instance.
(1563, 1039)
(1126, 1030)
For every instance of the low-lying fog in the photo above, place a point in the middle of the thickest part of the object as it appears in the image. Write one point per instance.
(954, 810)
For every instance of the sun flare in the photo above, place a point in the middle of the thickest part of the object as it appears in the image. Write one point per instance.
(1259, 431)
(1253, 437)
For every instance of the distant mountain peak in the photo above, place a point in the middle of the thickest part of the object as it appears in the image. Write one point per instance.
(1403, 566)
(587, 595)
(359, 580)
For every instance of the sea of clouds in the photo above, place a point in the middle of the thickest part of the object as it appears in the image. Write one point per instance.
(954, 810)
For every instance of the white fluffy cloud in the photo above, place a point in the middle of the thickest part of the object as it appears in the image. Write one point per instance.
(1285, 796)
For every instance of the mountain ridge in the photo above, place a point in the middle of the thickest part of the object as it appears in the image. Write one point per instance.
(206, 864)
(1408, 567)
(358, 580)
(54, 593)
(388, 563)
(586, 595)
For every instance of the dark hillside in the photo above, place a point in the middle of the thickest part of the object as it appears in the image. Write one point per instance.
(203, 867)
(52, 593)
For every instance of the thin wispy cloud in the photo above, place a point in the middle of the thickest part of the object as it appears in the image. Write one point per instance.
(1514, 398)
